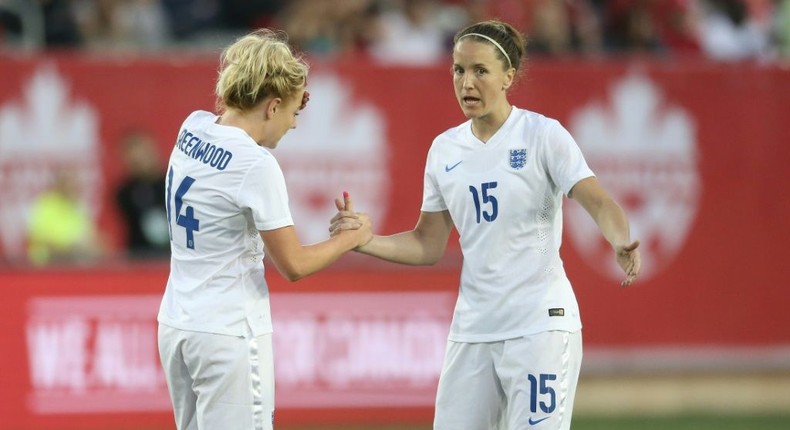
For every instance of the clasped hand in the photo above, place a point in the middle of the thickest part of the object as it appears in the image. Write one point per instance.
(346, 219)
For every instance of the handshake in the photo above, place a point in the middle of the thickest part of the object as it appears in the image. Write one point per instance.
(348, 222)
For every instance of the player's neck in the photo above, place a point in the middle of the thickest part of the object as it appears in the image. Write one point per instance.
(249, 121)
(486, 126)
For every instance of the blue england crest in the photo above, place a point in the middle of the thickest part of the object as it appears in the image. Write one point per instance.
(518, 158)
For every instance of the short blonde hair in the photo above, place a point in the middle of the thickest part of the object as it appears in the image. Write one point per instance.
(256, 66)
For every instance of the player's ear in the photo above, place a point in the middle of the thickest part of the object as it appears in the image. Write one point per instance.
(510, 75)
(271, 106)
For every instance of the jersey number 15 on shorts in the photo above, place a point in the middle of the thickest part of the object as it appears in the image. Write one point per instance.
(548, 397)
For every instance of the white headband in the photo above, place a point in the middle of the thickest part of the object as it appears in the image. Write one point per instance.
(498, 46)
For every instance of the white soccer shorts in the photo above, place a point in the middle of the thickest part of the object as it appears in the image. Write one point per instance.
(515, 384)
(218, 382)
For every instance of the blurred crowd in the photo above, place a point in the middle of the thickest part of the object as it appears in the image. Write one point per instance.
(407, 31)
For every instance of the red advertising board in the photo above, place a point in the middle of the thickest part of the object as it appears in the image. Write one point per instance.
(83, 348)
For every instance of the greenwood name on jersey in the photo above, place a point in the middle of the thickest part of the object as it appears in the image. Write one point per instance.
(222, 189)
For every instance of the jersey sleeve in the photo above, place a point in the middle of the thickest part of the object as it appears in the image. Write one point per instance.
(263, 192)
(564, 160)
(432, 200)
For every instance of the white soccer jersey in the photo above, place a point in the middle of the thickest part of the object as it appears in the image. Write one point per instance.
(222, 188)
(505, 198)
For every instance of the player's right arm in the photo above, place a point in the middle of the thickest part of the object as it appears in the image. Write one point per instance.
(295, 261)
(423, 245)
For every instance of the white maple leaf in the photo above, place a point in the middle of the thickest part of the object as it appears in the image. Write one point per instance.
(339, 145)
(644, 152)
(44, 131)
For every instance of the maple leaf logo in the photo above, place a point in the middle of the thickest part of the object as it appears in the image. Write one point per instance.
(40, 134)
(339, 144)
(644, 152)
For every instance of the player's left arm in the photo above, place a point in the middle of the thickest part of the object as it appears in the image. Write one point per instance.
(612, 221)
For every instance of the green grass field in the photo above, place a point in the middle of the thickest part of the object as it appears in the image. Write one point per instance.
(685, 423)
(694, 422)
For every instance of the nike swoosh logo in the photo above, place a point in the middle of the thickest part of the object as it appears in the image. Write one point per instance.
(533, 422)
(448, 167)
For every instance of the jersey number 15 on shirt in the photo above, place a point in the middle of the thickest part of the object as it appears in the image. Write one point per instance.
(487, 199)
(188, 220)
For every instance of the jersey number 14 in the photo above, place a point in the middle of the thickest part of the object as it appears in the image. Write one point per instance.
(187, 220)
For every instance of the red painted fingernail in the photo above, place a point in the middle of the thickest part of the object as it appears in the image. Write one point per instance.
(345, 194)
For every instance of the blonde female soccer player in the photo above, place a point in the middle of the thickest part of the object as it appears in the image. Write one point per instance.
(515, 347)
(226, 204)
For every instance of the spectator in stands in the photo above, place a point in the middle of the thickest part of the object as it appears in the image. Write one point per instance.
(629, 27)
(137, 25)
(60, 26)
(10, 23)
(409, 34)
(39, 24)
(140, 197)
(329, 29)
(561, 28)
(729, 33)
(246, 15)
(191, 21)
(61, 230)
(677, 26)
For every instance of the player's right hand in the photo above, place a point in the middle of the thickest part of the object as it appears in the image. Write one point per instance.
(346, 218)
